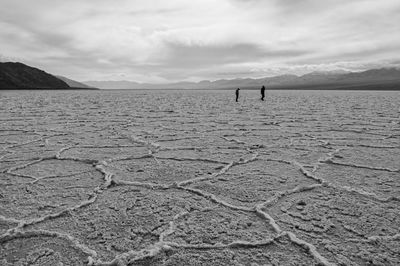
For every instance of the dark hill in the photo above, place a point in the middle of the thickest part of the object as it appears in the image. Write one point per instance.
(20, 76)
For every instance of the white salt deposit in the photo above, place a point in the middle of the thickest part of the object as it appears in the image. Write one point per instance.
(194, 178)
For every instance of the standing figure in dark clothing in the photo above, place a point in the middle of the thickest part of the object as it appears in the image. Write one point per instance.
(237, 94)
(262, 93)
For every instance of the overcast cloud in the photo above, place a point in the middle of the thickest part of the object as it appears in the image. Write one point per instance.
(165, 41)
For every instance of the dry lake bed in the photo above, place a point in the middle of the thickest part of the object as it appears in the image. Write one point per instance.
(194, 178)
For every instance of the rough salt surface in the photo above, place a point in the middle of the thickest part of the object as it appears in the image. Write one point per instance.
(193, 178)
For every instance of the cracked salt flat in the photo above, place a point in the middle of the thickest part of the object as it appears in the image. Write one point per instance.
(190, 178)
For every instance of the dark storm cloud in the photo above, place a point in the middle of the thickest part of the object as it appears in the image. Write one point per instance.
(372, 51)
(159, 11)
(24, 28)
(192, 55)
(159, 40)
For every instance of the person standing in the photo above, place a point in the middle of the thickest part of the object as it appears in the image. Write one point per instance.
(262, 93)
(237, 94)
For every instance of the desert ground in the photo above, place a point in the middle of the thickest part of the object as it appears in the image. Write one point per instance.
(194, 178)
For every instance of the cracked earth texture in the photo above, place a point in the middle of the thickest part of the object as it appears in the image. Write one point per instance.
(193, 178)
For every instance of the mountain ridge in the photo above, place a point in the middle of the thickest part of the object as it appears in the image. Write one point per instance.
(73, 83)
(383, 77)
(15, 75)
(18, 76)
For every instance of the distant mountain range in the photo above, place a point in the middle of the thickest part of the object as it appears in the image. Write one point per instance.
(384, 78)
(73, 83)
(21, 76)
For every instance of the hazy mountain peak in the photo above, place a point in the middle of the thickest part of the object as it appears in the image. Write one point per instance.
(333, 78)
(327, 72)
(73, 83)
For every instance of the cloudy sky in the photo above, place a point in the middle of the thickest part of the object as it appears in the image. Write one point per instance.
(172, 40)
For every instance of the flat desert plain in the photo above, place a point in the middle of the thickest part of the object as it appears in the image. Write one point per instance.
(194, 178)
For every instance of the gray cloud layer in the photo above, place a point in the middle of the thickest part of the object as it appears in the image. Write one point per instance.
(158, 41)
